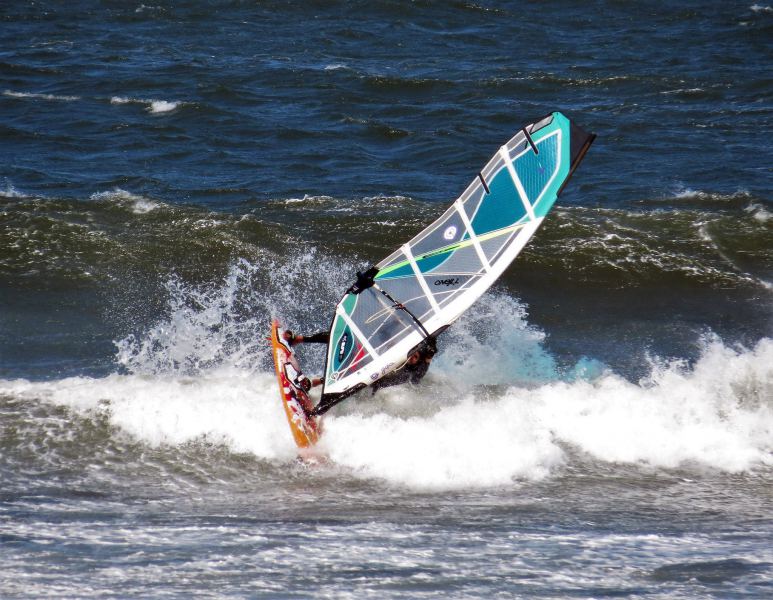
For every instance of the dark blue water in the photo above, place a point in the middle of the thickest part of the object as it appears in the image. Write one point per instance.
(174, 174)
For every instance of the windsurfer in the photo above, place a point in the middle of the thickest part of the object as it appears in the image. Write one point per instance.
(414, 369)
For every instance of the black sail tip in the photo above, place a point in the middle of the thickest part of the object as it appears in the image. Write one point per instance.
(531, 141)
(483, 181)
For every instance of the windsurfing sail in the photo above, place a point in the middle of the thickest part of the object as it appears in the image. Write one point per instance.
(427, 283)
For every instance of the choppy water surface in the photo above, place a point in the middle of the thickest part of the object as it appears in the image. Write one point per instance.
(174, 174)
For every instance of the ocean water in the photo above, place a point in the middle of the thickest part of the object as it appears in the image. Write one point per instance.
(174, 174)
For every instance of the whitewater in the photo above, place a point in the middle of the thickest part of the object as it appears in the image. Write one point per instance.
(496, 409)
(178, 472)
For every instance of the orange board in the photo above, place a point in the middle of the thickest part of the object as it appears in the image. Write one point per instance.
(306, 430)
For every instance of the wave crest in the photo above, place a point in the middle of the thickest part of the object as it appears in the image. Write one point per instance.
(716, 414)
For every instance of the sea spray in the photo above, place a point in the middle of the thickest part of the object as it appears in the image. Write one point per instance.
(225, 323)
(716, 414)
(206, 326)
(493, 344)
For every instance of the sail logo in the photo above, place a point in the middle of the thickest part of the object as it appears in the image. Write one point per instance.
(448, 282)
(450, 232)
(342, 346)
(384, 370)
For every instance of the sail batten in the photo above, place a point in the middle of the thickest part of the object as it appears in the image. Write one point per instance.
(420, 277)
(505, 154)
(472, 236)
(356, 330)
(445, 268)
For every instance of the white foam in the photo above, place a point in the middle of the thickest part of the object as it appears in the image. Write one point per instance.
(308, 199)
(495, 326)
(162, 106)
(10, 192)
(758, 8)
(229, 407)
(682, 91)
(686, 193)
(758, 212)
(139, 205)
(35, 96)
(226, 323)
(455, 430)
(471, 444)
(716, 415)
(152, 106)
(202, 331)
(142, 8)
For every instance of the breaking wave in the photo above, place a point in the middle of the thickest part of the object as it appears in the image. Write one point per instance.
(152, 106)
(203, 374)
(715, 415)
(139, 204)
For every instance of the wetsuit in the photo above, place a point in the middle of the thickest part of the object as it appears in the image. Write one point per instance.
(409, 372)
(321, 337)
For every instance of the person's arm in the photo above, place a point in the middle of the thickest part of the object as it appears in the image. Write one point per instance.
(321, 337)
